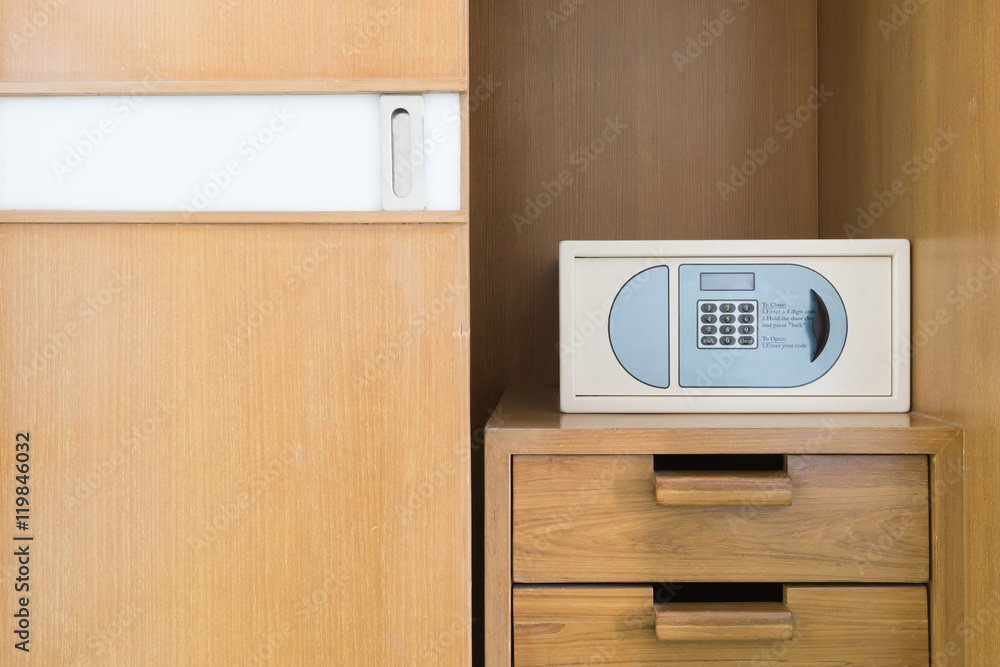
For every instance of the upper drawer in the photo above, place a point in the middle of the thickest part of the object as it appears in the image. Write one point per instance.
(596, 519)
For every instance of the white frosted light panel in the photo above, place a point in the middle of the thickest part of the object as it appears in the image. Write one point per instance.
(442, 152)
(212, 153)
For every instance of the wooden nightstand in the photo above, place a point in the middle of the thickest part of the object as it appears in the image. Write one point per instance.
(835, 538)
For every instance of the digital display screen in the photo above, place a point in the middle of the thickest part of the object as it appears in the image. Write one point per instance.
(719, 282)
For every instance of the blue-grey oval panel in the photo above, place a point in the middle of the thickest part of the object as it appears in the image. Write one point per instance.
(639, 324)
(800, 322)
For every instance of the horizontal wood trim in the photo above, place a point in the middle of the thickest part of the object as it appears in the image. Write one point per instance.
(528, 421)
(723, 489)
(227, 217)
(726, 441)
(184, 40)
(723, 622)
(232, 87)
(579, 519)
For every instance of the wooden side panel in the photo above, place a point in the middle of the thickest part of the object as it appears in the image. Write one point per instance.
(915, 109)
(949, 630)
(497, 565)
(224, 40)
(595, 518)
(843, 626)
(249, 442)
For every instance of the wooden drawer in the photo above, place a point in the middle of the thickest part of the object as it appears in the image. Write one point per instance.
(870, 626)
(596, 519)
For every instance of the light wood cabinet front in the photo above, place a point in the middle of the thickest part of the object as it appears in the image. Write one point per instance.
(249, 442)
(222, 41)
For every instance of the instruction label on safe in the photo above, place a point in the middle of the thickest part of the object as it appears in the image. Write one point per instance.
(776, 319)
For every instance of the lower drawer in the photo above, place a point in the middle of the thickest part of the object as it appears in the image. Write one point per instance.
(816, 626)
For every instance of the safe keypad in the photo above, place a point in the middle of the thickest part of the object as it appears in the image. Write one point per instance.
(727, 324)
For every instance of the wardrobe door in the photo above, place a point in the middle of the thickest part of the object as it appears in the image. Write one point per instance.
(243, 439)
(243, 427)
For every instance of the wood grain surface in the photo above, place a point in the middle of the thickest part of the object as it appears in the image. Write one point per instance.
(723, 621)
(595, 518)
(613, 625)
(915, 109)
(722, 489)
(249, 442)
(231, 40)
(496, 596)
(528, 421)
(950, 634)
(302, 86)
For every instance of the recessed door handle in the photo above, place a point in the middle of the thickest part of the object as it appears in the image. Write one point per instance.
(820, 325)
(402, 121)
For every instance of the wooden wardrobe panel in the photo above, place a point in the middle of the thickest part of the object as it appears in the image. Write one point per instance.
(247, 441)
(223, 40)
(908, 148)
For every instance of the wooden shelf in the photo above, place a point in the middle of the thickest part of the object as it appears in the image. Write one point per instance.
(528, 421)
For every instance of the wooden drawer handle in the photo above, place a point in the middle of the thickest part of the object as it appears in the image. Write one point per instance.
(724, 489)
(723, 621)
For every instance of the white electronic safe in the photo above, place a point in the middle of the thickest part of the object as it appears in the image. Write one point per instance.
(735, 326)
